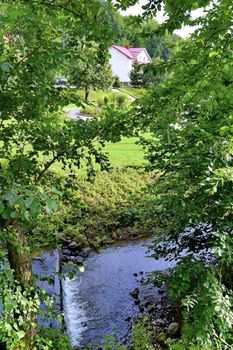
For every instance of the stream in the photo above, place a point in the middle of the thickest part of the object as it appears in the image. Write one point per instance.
(98, 301)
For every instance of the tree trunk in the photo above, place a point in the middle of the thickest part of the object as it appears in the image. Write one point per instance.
(87, 91)
(21, 263)
(19, 257)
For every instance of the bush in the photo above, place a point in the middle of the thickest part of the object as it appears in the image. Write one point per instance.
(121, 100)
(141, 338)
(116, 83)
(206, 305)
(106, 100)
(51, 339)
(115, 101)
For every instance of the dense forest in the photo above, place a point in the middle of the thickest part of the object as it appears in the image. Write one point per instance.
(63, 188)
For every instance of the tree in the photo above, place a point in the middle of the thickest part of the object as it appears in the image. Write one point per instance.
(116, 83)
(117, 24)
(145, 34)
(153, 74)
(142, 33)
(89, 72)
(136, 75)
(35, 135)
(190, 117)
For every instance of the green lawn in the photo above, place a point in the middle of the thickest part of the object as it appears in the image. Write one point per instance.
(123, 153)
(94, 95)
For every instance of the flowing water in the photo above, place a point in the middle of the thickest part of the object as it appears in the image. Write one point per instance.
(98, 301)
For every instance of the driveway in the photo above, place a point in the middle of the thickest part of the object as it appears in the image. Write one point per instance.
(75, 113)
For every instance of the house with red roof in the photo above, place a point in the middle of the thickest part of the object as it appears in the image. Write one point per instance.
(122, 59)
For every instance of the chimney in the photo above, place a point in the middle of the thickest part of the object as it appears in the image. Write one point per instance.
(126, 46)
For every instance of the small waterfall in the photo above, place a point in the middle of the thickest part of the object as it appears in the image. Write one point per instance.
(98, 301)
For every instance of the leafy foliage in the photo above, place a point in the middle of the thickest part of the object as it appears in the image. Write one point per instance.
(153, 74)
(20, 307)
(190, 117)
(21, 203)
(34, 41)
(141, 338)
(178, 12)
(51, 339)
(111, 343)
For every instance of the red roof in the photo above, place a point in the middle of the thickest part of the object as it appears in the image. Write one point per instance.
(135, 51)
(132, 52)
(124, 50)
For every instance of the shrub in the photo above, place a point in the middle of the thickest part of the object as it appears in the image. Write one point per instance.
(121, 100)
(51, 339)
(116, 83)
(141, 338)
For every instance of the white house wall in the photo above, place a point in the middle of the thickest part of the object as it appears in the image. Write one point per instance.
(142, 57)
(121, 65)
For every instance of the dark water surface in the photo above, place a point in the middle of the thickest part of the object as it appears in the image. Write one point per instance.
(45, 266)
(98, 301)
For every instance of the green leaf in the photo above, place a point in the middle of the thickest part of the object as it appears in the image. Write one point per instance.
(14, 214)
(2, 207)
(28, 201)
(8, 326)
(7, 213)
(5, 67)
(51, 206)
(20, 334)
(81, 268)
(26, 215)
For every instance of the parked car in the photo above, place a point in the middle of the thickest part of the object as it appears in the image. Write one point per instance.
(60, 82)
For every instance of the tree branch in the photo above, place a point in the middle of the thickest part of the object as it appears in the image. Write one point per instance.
(47, 166)
(18, 64)
(52, 4)
(35, 49)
